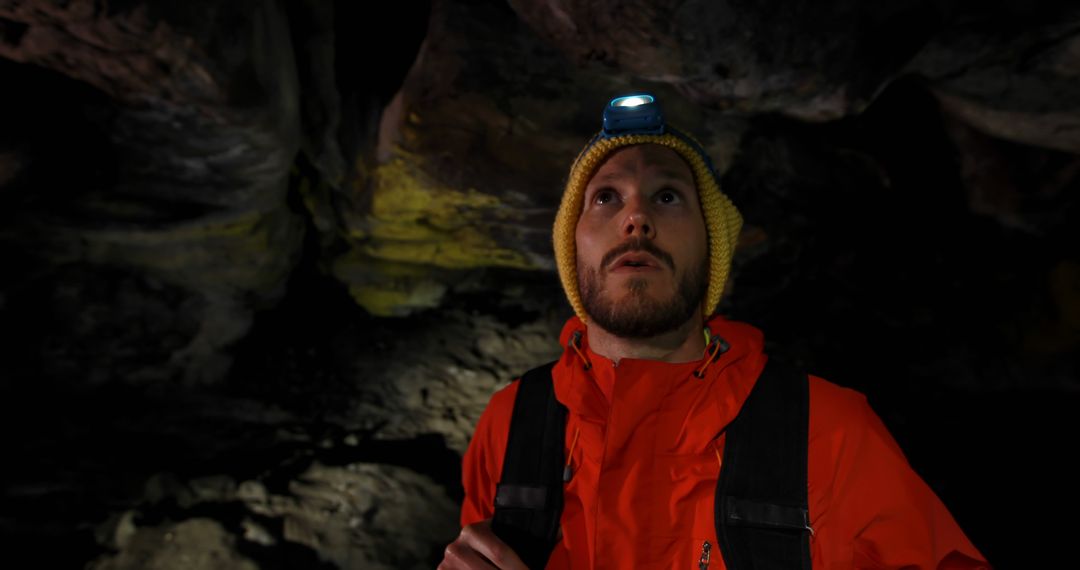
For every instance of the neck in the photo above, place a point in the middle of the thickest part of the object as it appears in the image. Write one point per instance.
(684, 344)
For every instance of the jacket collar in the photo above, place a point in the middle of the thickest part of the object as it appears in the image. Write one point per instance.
(715, 398)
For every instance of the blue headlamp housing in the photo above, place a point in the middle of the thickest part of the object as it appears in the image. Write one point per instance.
(636, 113)
(640, 114)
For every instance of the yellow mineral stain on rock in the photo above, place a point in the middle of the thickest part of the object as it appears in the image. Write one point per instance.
(390, 303)
(415, 219)
(417, 229)
(388, 288)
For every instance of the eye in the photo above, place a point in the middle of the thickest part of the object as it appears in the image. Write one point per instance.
(603, 196)
(668, 196)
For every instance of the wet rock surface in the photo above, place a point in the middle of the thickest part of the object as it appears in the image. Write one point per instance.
(310, 454)
(354, 515)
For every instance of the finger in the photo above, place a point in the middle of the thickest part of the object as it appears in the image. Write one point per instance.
(481, 539)
(459, 556)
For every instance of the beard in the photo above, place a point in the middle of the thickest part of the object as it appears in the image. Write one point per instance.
(639, 315)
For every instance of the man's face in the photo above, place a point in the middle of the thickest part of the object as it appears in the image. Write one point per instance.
(642, 253)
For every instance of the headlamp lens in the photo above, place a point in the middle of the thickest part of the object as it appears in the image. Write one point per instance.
(632, 101)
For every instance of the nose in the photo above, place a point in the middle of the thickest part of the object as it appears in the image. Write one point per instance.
(637, 221)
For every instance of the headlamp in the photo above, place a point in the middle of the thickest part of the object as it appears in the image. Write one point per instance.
(637, 113)
(640, 114)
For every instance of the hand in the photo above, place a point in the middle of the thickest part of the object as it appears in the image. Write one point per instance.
(478, 548)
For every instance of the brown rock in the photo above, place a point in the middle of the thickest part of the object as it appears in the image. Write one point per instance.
(1014, 76)
(797, 58)
(193, 544)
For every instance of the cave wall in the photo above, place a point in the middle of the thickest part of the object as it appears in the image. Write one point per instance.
(265, 262)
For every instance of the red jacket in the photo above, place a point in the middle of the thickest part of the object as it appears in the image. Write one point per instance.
(648, 448)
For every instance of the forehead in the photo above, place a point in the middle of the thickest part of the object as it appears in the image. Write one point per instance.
(643, 159)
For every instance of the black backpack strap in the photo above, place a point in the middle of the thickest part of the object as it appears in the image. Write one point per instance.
(529, 497)
(762, 518)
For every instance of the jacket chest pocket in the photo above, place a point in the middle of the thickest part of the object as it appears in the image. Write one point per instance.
(687, 521)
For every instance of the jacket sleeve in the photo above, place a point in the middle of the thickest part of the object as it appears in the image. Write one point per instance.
(481, 465)
(892, 517)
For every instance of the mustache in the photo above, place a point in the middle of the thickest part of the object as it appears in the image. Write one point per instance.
(638, 244)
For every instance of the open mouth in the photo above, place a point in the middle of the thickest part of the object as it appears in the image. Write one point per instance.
(635, 262)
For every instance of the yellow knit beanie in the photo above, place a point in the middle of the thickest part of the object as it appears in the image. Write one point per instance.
(722, 219)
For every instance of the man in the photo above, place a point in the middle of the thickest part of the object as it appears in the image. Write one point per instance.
(652, 381)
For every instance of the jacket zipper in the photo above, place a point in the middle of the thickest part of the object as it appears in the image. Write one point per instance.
(703, 562)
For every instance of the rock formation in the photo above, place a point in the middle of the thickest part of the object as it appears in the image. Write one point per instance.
(265, 261)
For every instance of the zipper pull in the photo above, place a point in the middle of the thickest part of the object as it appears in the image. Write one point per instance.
(703, 563)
